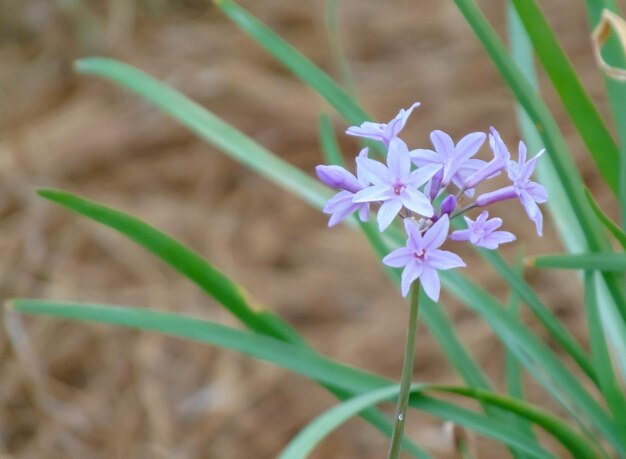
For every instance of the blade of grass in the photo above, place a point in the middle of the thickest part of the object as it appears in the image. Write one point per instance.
(586, 261)
(614, 53)
(541, 362)
(318, 429)
(513, 369)
(205, 276)
(292, 357)
(556, 148)
(334, 40)
(609, 224)
(576, 101)
(610, 388)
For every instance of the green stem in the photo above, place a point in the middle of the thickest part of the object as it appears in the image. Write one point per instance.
(407, 376)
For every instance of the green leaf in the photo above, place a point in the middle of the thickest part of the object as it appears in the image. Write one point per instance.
(305, 362)
(577, 102)
(609, 224)
(614, 54)
(183, 260)
(592, 261)
(317, 430)
(209, 127)
(295, 62)
(609, 385)
(334, 40)
(205, 276)
(540, 361)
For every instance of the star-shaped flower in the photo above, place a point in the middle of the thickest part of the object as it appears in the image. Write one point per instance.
(383, 132)
(395, 185)
(483, 232)
(422, 258)
(501, 156)
(342, 205)
(456, 160)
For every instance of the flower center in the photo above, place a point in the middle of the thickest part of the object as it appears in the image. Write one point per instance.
(420, 254)
(397, 188)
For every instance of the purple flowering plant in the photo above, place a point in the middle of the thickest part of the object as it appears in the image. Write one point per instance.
(412, 182)
(427, 189)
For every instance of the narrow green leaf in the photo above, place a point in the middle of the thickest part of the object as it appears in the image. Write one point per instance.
(302, 361)
(541, 362)
(614, 54)
(209, 127)
(513, 369)
(183, 260)
(317, 430)
(334, 40)
(609, 385)
(295, 62)
(577, 102)
(591, 261)
(205, 276)
(609, 224)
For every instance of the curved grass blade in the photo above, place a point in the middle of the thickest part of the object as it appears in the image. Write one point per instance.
(296, 62)
(205, 276)
(609, 385)
(317, 430)
(616, 90)
(182, 259)
(609, 224)
(541, 362)
(577, 102)
(587, 261)
(300, 360)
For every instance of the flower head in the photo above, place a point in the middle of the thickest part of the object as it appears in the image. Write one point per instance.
(395, 185)
(482, 232)
(422, 258)
(456, 160)
(342, 205)
(383, 132)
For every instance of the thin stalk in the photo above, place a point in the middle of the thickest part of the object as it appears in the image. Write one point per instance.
(407, 376)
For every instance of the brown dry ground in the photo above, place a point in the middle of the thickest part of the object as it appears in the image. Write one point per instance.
(70, 390)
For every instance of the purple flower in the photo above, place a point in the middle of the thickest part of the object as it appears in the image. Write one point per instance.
(383, 132)
(421, 258)
(342, 205)
(501, 156)
(530, 193)
(456, 160)
(395, 184)
(483, 232)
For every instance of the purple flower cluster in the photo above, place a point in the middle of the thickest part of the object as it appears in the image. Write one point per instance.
(427, 189)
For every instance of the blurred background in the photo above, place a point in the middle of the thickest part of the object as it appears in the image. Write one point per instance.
(70, 390)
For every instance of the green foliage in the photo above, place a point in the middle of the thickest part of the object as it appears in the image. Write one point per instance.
(600, 426)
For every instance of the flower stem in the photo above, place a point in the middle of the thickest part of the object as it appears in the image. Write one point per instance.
(407, 376)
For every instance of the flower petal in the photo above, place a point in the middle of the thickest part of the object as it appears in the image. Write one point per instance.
(422, 175)
(416, 201)
(411, 272)
(443, 259)
(387, 212)
(399, 257)
(374, 193)
(469, 145)
(373, 171)
(398, 160)
(421, 157)
(443, 143)
(437, 234)
(430, 282)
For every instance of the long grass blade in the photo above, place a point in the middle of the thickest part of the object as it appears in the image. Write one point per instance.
(609, 385)
(609, 224)
(575, 99)
(302, 361)
(585, 261)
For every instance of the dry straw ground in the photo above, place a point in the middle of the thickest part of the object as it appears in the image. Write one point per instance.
(69, 390)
